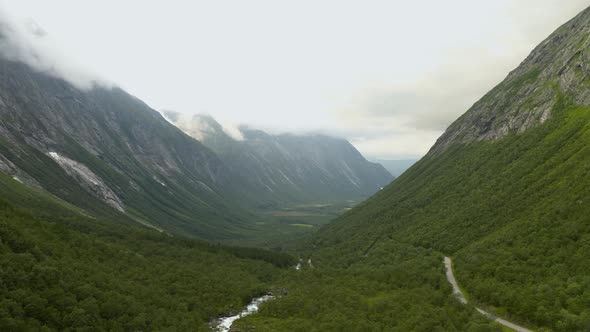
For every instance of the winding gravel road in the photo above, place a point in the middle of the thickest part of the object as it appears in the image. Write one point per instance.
(457, 291)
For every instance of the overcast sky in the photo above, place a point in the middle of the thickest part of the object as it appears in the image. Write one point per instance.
(390, 76)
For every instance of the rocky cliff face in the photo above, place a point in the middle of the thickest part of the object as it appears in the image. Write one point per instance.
(289, 167)
(102, 147)
(88, 180)
(110, 154)
(559, 65)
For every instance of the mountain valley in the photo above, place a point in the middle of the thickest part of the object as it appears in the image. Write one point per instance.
(116, 217)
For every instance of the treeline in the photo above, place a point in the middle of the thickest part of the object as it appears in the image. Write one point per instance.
(395, 288)
(277, 259)
(514, 213)
(60, 270)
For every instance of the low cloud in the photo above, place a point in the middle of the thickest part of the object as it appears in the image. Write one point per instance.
(391, 83)
(434, 100)
(406, 118)
(25, 41)
(200, 126)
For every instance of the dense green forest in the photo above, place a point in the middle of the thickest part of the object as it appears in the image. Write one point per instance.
(64, 270)
(512, 212)
(504, 192)
(395, 288)
(61, 270)
(536, 266)
(377, 267)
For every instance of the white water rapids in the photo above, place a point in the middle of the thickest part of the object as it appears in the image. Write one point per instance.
(225, 323)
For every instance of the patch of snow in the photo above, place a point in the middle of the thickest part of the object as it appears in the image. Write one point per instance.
(17, 179)
(158, 180)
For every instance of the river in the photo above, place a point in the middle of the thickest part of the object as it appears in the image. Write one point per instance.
(223, 324)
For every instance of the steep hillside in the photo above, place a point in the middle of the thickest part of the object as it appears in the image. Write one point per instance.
(289, 168)
(465, 181)
(104, 148)
(63, 270)
(504, 191)
(512, 212)
(525, 99)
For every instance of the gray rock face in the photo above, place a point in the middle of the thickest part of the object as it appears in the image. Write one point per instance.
(293, 168)
(110, 154)
(110, 150)
(88, 180)
(560, 64)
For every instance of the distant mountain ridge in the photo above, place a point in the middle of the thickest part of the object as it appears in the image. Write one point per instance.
(111, 155)
(287, 167)
(102, 147)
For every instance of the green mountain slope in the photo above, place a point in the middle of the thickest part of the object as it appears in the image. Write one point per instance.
(110, 154)
(504, 191)
(395, 288)
(64, 270)
(506, 197)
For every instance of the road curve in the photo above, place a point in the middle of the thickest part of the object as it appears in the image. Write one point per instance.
(457, 292)
(451, 278)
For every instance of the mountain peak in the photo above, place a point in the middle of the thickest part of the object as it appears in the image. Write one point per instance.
(558, 66)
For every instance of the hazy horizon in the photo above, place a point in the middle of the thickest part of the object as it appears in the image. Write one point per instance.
(387, 76)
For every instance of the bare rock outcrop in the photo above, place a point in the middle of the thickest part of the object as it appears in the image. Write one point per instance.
(559, 66)
(90, 181)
